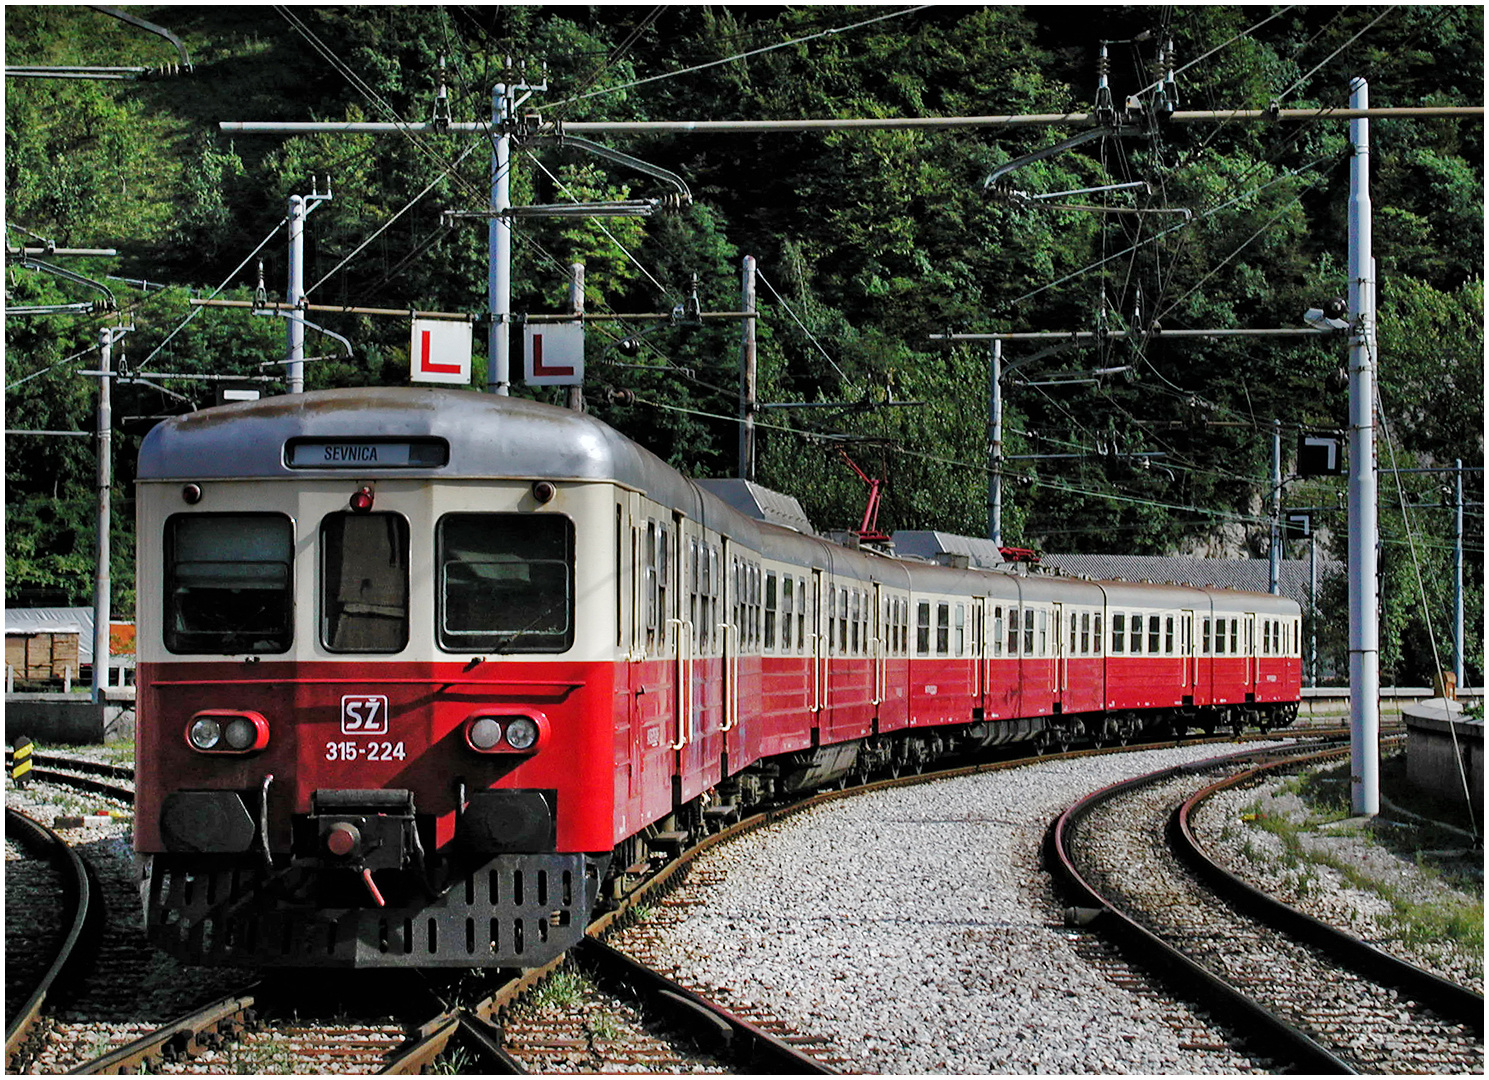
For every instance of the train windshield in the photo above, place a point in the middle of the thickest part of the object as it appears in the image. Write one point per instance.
(228, 583)
(364, 582)
(506, 582)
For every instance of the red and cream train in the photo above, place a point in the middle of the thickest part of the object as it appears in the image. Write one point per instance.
(423, 673)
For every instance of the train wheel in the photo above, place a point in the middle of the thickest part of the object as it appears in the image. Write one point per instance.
(1042, 742)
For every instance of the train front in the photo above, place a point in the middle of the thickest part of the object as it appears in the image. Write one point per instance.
(373, 729)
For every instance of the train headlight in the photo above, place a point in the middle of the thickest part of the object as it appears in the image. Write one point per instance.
(485, 733)
(205, 733)
(522, 733)
(227, 731)
(508, 733)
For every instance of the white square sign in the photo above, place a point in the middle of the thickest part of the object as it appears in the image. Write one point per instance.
(439, 351)
(555, 354)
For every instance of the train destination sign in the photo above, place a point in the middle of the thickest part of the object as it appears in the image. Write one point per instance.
(366, 454)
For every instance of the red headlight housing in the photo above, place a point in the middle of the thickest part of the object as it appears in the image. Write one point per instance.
(227, 731)
(506, 733)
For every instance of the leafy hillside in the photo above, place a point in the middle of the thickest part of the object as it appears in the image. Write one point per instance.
(869, 243)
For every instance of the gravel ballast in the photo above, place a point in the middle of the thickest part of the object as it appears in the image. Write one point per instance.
(916, 928)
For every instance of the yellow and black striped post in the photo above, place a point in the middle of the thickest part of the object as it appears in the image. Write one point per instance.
(20, 768)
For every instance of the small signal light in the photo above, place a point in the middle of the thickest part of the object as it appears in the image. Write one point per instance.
(361, 501)
(543, 491)
(191, 494)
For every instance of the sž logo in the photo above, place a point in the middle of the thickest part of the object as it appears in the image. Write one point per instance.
(364, 714)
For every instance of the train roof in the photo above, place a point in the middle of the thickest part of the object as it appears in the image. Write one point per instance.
(487, 435)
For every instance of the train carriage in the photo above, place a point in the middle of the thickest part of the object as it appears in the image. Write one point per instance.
(425, 674)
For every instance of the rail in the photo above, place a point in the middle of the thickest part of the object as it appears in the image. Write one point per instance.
(84, 923)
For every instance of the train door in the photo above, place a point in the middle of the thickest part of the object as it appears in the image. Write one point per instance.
(821, 620)
(1059, 662)
(878, 658)
(728, 644)
(655, 666)
(1189, 678)
(1252, 663)
(699, 742)
(979, 655)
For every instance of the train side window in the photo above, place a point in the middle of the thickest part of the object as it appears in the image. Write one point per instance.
(998, 630)
(664, 566)
(843, 621)
(715, 585)
(788, 598)
(1168, 635)
(803, 601)
(1155, 634)
(1119, 632)
(1074, 632)
(1235, 637)
(1086, 633)
(855, 618)
(1204, 644)
(1134, 633)
(695, 582)
(923, 628)
(506, 582)
(960, 623)
(364, 582)
(1029, 632)
(649, 584)
(229, 583)
(1096, 638)
(943, 629)
(770, 609)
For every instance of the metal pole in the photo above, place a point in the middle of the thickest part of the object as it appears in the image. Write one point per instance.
(1458, 664)
(101, 582)
(995, 446)
(1364, 616)
(1274, 559)
(499, 243)
(295, 295)
(747, 373)
(575, 395)
(1312, 606)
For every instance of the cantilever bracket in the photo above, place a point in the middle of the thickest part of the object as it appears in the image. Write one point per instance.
(1058, 148)
(560, 139)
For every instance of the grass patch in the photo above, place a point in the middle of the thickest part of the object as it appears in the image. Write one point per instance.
(1323, 800)
(563, 990)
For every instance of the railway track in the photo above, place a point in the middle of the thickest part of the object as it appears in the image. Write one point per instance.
(78, 926)
(1326, 1004)
(492, 1036)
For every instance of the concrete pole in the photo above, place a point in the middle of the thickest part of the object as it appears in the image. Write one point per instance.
(995, 446)
(747, 372)
(101, 581)
(1458, 668)
(1364, 526)
(295, 324)
(1274, 560)
(499, 244)
(575, 395)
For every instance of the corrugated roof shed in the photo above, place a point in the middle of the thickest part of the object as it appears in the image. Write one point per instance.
(55, 620)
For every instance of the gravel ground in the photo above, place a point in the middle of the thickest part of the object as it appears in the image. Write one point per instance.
(917, 929)
(1229, 827)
